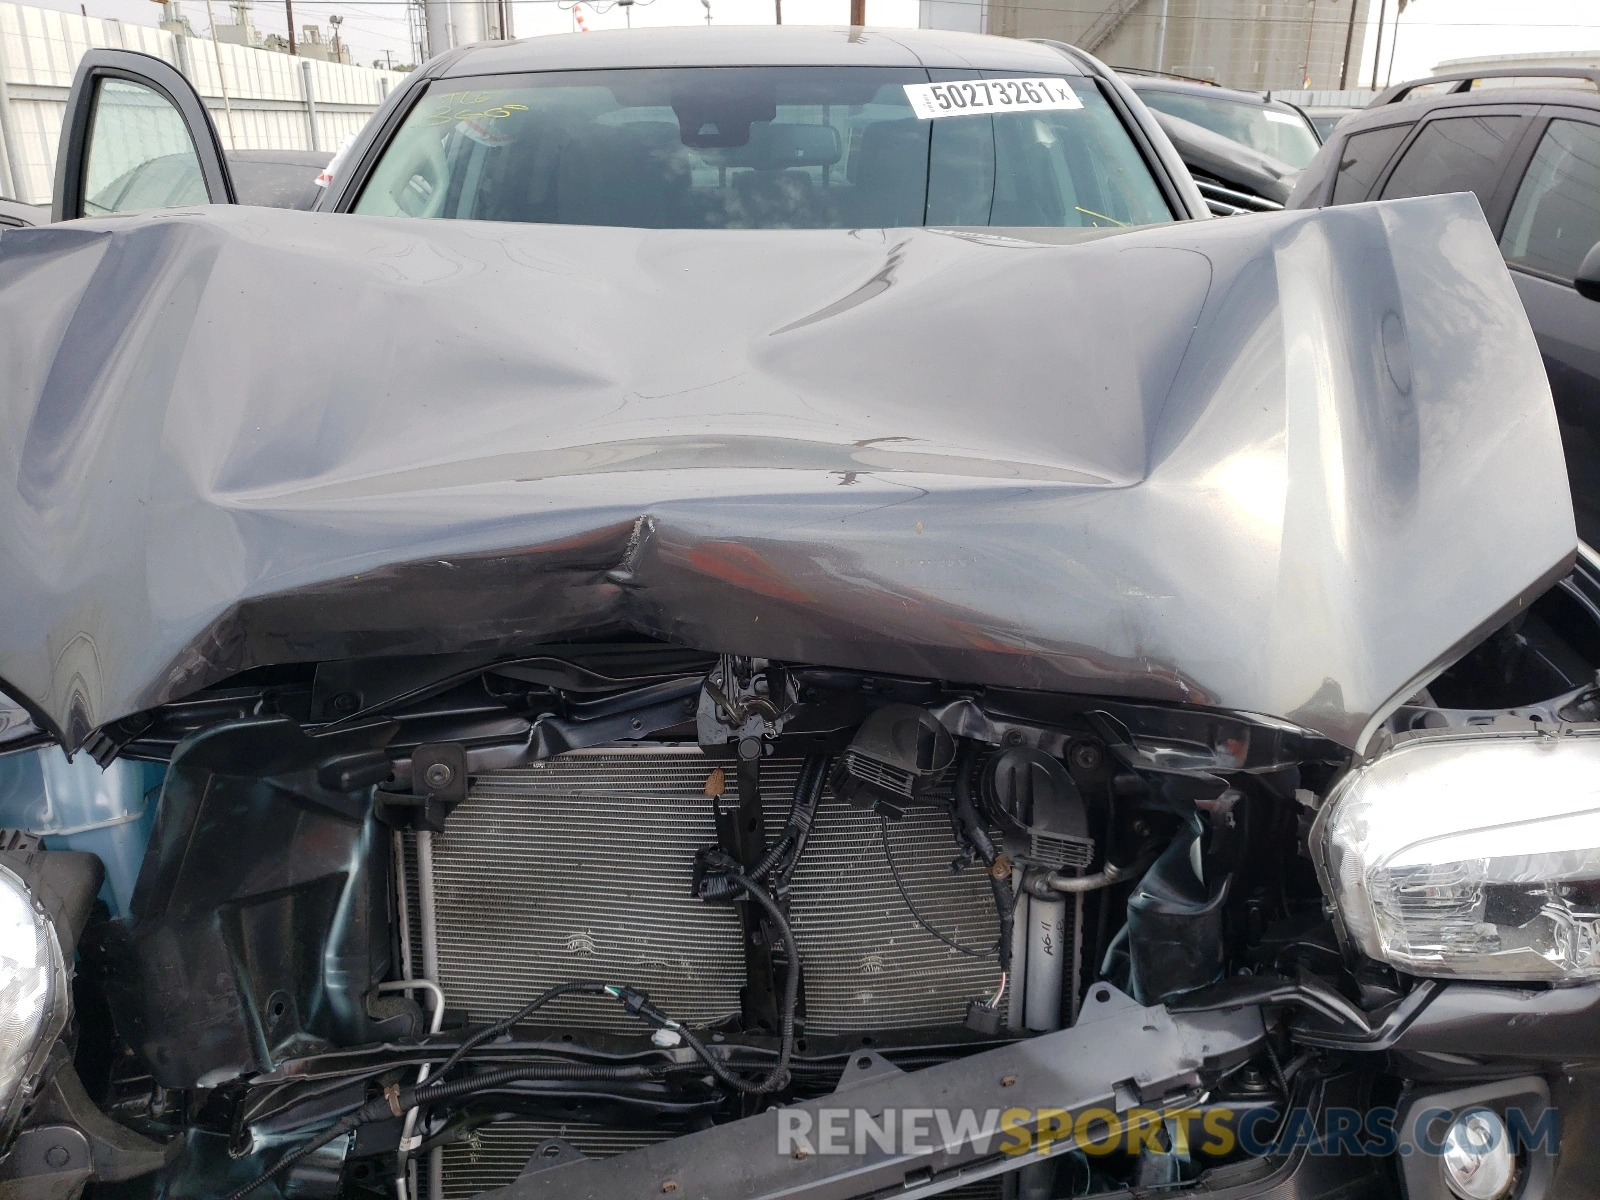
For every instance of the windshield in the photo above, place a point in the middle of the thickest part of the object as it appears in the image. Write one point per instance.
(1281, 133)
(763, 148)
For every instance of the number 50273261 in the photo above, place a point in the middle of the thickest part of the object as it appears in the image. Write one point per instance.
(964, 96)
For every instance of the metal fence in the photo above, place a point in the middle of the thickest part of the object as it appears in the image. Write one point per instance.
(273, 102)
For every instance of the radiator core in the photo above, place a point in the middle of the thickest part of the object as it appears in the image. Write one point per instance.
(494, 1155)
(580, 867)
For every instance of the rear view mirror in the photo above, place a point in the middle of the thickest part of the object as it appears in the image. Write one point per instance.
(1587, 280)
(720, 118)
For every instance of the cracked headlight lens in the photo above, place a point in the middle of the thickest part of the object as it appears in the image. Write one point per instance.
(1473, 855)
(33, 996)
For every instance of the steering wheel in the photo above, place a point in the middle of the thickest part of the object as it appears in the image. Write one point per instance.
(423, 159)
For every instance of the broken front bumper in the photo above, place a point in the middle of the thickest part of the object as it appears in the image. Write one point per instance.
(1130, 1074)
(886, 1131)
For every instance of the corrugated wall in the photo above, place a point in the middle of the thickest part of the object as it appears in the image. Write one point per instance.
(267, 92)
(1256, 44)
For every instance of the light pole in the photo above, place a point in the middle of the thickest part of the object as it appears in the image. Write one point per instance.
(706, 4)
(1349, 37)
(1311, 29)
(1394, 39)
(222, 77)
(1377, 56)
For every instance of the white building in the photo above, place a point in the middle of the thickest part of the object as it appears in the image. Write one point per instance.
(1257, 44)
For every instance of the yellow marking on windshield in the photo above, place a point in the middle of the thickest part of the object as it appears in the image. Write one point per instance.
(1089, 212)
(461, 106)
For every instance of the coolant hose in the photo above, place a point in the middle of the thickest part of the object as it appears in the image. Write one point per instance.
(1112, 873)
(402, 1156)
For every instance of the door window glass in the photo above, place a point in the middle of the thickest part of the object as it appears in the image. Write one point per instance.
(1555, 219)
(140, 154)
(1455, 154)
(1362, 159)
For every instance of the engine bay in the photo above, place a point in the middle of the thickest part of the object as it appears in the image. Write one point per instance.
(438, 926)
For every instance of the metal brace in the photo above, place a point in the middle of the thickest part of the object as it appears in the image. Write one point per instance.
(737, 702)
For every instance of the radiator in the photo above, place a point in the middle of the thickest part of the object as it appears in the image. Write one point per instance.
(494, 1155)
(579, 867)
(868, 964)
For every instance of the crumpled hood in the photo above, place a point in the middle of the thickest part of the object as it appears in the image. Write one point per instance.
(1284, 463)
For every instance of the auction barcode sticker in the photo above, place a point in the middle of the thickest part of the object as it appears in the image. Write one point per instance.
(929, 100)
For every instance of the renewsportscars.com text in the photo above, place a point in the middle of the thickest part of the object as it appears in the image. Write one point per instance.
(1214, 1131)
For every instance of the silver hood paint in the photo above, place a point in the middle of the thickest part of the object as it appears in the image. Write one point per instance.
(1290, 463)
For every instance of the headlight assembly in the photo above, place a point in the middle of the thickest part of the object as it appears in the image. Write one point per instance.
(34, 999)
(1474, 855)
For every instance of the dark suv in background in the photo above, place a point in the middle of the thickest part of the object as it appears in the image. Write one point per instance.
(1527, 144)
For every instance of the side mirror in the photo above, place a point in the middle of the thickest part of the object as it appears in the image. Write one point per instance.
(1587, 280)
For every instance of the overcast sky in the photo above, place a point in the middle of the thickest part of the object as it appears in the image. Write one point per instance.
(1434, 30)
(1429, 31)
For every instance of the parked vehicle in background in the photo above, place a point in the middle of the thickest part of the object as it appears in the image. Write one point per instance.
(277, 178)
(1325, 118)
(16, 214)
(1245, 150)
(1526, 143)
(1271, 127)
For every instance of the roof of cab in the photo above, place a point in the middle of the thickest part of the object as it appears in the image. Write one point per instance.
(760, 46)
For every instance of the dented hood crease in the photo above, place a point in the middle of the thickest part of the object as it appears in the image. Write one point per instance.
(1288, 464)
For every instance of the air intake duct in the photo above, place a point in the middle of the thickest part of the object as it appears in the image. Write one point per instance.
(1032, 797)
(894, 760)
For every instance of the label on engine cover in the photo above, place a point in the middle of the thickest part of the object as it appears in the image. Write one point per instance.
(966, 96)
